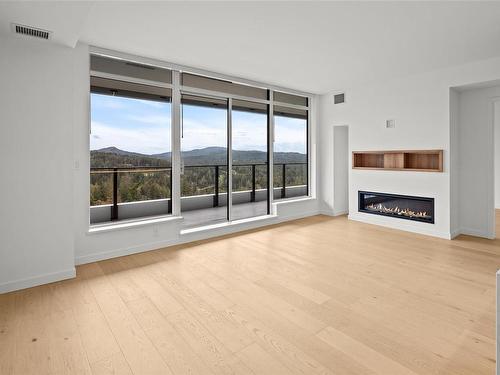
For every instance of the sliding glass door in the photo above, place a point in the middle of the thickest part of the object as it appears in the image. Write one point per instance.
(204, 160)
(250, 159)
(215, 131)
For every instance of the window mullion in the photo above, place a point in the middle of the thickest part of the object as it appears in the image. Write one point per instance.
(270, 152)
(176, 144)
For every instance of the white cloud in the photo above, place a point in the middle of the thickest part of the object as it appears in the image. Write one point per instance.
(154, 104)
(247, 135)
(162, 120)
(150, 141)
(106, 102)
(199, 135)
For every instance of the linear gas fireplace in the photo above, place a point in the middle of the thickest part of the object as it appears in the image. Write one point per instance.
(399, 206)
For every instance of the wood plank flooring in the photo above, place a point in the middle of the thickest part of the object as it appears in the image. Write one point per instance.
(319, 295)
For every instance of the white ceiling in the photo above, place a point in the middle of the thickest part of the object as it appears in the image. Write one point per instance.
(311, 46)
(65, 20)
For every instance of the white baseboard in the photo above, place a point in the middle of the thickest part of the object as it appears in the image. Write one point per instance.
(37, 280)
(196, 236)
(371, 219)
(477, 233)
(330, 212)
(341, 212)
(96, 257)
(455, 233)
(283, 218)
(327, 212)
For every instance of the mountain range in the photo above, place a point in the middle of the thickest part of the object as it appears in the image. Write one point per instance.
(203, 156)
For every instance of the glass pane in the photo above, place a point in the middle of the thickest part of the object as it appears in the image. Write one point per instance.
(250, 194)
(144, 184)
(290, 153)
(204, 161)
(101, 188)
(130, 157)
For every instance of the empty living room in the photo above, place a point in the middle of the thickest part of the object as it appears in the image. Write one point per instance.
(249, 187)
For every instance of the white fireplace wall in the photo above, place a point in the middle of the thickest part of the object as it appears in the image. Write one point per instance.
(420, 106)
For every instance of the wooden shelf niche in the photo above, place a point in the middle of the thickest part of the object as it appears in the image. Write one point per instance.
(400, 160)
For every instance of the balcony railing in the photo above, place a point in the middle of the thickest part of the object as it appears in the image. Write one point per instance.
(218, 191)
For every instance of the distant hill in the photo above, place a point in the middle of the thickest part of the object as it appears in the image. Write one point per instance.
(114, 157)
(217, 155)
(117, 151)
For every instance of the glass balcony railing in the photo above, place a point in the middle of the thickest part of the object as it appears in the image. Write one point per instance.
(113, 187)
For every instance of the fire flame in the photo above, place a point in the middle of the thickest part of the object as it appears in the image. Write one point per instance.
(397, 211)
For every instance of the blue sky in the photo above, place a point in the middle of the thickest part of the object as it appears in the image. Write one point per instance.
(144, 126)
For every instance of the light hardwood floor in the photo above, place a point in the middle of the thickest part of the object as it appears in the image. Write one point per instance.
(314, 296)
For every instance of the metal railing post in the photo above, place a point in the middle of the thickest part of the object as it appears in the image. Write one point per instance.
(283, 177)
(216, 195)
(114, 208)
(252, 196)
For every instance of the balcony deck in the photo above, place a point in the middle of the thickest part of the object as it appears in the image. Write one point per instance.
(197, 210)
(216, 215)
(202, 209)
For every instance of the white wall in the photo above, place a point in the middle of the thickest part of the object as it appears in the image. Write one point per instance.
(44, 193)
(476, 160)
(454, 163)
(334, 157)
(36, 153)
(496, 130)
(420, 104)
(341, 170)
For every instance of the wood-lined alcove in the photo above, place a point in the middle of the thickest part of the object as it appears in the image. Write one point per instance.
(399, 160)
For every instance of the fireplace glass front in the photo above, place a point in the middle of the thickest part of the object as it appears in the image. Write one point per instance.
(399, 206)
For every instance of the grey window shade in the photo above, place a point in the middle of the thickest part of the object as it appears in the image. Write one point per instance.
(130, 69)
(203, 102)
(129, 90)
(206, 83)
(290, 112)
(252, 107)
(289, 98)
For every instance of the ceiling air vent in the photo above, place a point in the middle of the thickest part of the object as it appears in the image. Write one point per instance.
(339, 98)
(31, 31)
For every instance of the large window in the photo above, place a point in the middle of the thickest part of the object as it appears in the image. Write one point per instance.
(130, 149)
(220, 126)
(290, 152)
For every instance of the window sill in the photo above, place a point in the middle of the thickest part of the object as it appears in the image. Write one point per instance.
(134, 223)
(233, 223)
(293, 199)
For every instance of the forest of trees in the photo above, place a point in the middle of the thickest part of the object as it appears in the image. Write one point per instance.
(153, 180)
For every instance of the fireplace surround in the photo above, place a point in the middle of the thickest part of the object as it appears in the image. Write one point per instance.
(399, 206)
